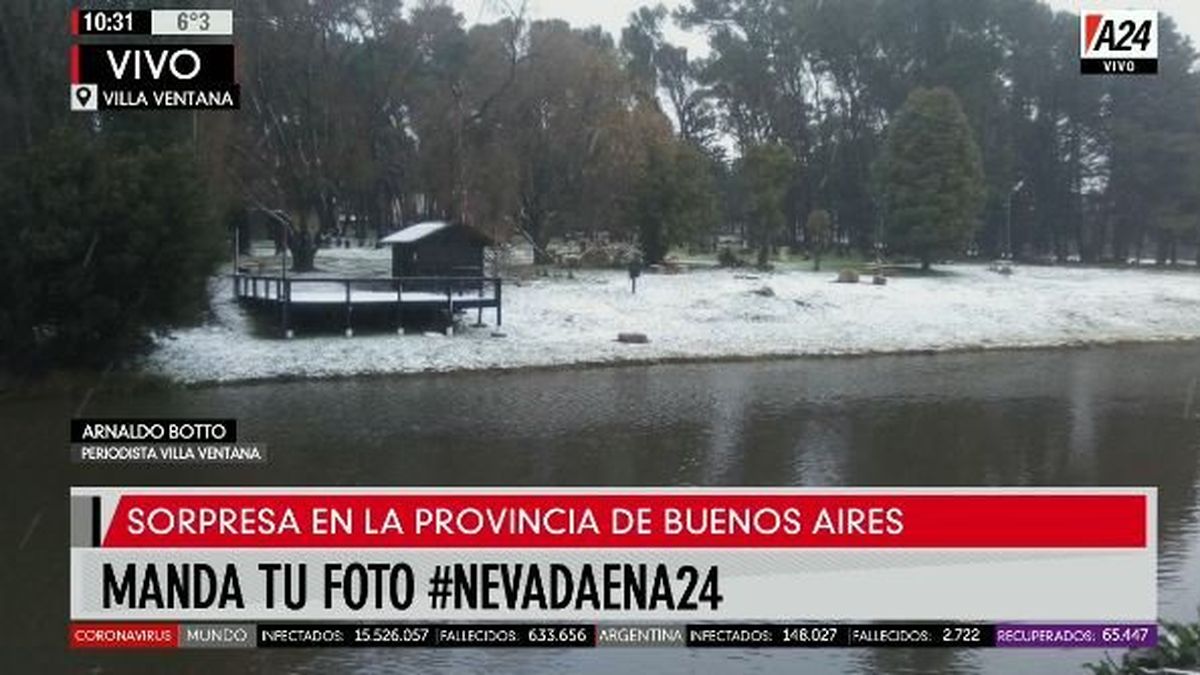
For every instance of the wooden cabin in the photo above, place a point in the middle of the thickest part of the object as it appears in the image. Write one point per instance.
(437, 249)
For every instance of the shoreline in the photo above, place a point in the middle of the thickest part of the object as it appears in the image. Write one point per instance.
(137, 380)
(708, 316)
(154, 379)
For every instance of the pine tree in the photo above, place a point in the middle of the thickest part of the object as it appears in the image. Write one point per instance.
(674, 201)
(105, 243)
(931, 176)
(766, 171)
(817, 232)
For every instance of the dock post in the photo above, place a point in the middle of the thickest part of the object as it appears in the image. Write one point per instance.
(479, 307)
(237, 260)
(479, 299)
(399, 307)
(284, 295)
(349, 311)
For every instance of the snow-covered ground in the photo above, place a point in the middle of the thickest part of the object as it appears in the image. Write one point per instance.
(714, 314)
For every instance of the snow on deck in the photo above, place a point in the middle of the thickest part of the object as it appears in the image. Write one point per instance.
(335, 296)
(715, 314)
(314, 293)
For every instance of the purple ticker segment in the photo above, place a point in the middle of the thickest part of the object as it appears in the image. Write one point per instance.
(1114, 635)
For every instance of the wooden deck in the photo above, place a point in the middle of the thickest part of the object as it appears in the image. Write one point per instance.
(288, 295)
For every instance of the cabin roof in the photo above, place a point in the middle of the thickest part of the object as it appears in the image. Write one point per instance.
(429, 228)
(415, 232)
(421, 231)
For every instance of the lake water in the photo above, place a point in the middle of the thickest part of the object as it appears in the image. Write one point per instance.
(1102, 416)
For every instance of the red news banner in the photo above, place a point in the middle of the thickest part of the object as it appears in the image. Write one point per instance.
(595, 554)
(627, 521)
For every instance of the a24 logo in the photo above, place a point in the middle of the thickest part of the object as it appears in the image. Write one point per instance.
(1119, 34)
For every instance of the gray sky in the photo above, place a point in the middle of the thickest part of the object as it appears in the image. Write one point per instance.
(612, 14)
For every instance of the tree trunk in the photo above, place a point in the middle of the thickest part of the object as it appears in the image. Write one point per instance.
(1087, 242)
(534, 229)
(303, 246)
(926, 264)
(1161, 251)
(816, 262)
(302, 243)
(278, 231)
(242, 232)
(327, 219)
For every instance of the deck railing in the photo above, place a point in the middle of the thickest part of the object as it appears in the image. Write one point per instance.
(470, 291)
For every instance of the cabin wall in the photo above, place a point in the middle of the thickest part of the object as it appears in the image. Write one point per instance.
(398, 254)
(451, 254)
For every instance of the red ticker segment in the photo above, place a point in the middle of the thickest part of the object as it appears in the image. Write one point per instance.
(124, 636)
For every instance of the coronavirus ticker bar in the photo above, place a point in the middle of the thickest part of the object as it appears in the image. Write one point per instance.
(309, 635)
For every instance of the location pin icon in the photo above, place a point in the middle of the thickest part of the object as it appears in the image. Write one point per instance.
(84, 97)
